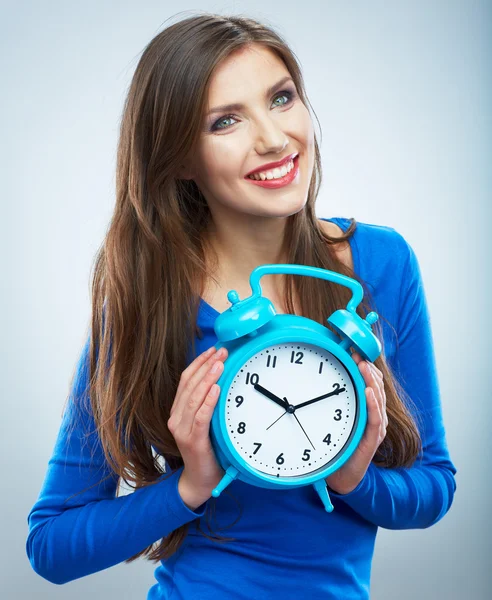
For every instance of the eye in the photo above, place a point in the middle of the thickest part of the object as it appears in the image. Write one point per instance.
(285, 94)
(215, 126)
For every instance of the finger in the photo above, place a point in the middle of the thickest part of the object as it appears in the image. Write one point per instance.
(374, 420)
(381, 400)
(385, 415)
(194, 401)
(197, 378)
(382, 392)
(194, 366)
(377, 372)
(365, 369)
(384, 424)
(190, 379)
(383, 419)
(372, 383)
(201, 423)
(200, 373)
(371, 379)
(356, 357)
(378, 382)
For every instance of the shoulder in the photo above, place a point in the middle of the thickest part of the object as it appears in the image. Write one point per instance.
(371, 235)
(385, 245)
(382, 250)
(382, 240)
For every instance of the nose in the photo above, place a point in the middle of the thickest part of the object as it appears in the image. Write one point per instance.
(270, 137)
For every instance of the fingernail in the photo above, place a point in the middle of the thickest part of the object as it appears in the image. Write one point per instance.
(216, 367)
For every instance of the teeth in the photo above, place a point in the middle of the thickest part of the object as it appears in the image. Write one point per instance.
(275, 174)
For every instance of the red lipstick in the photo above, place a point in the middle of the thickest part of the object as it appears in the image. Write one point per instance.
(273, 165)
(282, 181)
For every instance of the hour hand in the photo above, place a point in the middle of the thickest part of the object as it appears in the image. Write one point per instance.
(269, 394)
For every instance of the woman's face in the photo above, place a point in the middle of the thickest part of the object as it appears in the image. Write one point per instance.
(270, 126)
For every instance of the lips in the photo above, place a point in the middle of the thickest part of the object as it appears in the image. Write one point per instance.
(281, 182)
(273, 165)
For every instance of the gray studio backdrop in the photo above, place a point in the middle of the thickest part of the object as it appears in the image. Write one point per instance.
(403, 94)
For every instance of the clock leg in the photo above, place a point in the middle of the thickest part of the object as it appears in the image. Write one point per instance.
(228, 478)
(320, 487)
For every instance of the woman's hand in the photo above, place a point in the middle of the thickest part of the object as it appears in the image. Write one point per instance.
(348, 477)
(189, 423)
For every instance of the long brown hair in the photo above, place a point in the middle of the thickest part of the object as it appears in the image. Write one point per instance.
(151, 269)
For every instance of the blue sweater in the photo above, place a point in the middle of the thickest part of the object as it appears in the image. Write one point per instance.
(286, 545)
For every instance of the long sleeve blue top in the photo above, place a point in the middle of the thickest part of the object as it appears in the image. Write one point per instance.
(286, 545)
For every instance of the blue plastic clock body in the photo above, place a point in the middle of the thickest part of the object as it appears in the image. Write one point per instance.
(251, 325)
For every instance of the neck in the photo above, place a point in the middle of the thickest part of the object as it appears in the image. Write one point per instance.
(242, 244)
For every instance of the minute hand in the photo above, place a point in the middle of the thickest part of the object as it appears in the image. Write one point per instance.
(334, 393)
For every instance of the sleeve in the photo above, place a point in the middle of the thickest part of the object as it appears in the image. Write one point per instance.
(73, 534)
(419, 496)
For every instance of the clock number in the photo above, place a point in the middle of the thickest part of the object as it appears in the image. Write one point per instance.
(327, 439)
(259, 446)
(242, 427)
(280, 459)
(298, 360)
(253, 378)
(307, 455)
(320, 367)
(239, 401)
(338, 415)
(274, 361)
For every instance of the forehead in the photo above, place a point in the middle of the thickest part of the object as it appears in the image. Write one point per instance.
(246, 70)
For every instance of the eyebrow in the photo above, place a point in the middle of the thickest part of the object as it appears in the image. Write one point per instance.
(239, 106)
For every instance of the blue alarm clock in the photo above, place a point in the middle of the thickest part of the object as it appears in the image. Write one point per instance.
(292, 406)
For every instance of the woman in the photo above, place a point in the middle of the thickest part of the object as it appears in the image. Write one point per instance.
(214, 99)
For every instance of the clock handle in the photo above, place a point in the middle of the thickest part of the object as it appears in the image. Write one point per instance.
(287, 269)
(353, 330)
(321, 488)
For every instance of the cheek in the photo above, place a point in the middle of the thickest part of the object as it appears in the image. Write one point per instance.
(308, 141)
(306, 128)
(300, 121)
(223, 160)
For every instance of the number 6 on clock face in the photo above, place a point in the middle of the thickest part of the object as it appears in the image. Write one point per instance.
(291, 409)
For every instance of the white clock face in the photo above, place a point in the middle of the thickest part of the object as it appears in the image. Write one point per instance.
(290, 409)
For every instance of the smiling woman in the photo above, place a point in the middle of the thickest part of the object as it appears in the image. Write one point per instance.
(260, 133)
(214, 99)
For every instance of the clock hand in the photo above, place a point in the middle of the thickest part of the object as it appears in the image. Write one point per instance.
(303, 430)
(290, 410)
(276, 420)
(259, 388)
(339, 390)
